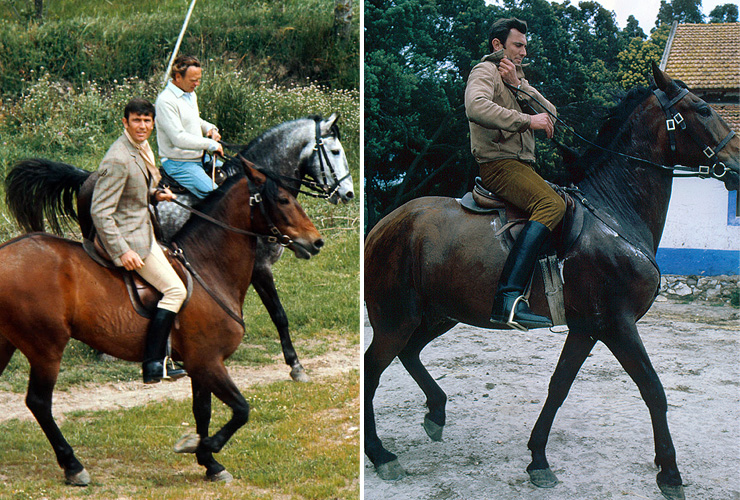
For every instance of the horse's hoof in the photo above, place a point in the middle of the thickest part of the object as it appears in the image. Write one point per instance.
(298, 374)
(672, 492)
(188, 443)
(81, 478)
(543, 478)
(390, 471)
(220, 477)
(433, 430)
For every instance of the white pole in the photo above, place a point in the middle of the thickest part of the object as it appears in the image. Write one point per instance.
(179, 41)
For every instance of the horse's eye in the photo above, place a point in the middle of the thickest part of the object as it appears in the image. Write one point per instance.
(335, 152)
(283, 200)
(705, 111)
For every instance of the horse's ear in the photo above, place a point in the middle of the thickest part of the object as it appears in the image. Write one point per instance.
(662, 80)
(329, 123)
(250, 170)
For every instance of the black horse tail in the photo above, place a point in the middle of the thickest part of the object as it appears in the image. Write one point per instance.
(39, 189)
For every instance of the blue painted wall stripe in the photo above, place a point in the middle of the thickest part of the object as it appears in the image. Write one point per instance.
(686, 261)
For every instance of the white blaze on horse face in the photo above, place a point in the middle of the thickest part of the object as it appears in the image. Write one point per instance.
(340, 166)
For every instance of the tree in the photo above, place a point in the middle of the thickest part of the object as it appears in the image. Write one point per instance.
(633, 30)
(634, 61)
(726, 13)
(343, 19)
(683, 11)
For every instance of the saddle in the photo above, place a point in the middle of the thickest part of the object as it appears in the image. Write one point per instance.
(511, 219)
(144, 297)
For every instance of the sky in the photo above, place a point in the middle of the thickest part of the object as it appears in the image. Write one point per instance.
(646, 11)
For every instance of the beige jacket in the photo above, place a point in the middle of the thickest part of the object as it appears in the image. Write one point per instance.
(120, 202)
(499, 129)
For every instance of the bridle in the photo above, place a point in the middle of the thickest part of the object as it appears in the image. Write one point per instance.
(673, 118)
(255, 200)
(328, 185)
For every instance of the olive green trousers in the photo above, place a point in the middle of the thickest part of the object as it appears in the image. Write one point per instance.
(518, 183)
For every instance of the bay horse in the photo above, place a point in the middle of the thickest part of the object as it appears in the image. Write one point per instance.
(52, 291)
(295, 151)
(431, 264)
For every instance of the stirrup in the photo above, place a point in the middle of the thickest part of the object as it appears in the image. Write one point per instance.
(178, 372)
(511, 321)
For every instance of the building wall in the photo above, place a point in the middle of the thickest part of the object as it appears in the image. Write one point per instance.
(702, 230)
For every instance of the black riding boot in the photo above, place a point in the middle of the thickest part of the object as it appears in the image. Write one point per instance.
(154, 367)
(509, 306)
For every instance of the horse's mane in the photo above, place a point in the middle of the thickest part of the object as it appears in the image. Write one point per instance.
(615, 119)
(212, 205)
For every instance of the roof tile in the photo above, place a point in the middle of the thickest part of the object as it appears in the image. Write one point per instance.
(706, 56)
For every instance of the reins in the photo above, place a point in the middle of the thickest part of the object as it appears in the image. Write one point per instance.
(673, 119)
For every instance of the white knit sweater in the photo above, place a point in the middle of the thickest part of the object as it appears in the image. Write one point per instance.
(180, 130)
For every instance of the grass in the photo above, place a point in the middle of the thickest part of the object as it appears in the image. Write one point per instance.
(301, 443)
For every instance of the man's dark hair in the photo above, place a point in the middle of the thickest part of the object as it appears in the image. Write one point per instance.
(139, 106)
(181, 65)
(500, 29)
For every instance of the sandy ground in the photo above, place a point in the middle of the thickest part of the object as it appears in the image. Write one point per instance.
(114, 396)
(601, 445)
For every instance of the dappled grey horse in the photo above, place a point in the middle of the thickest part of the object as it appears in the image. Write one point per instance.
(294, 150)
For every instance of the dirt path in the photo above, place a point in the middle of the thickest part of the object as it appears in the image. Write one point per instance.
(121, 395)
(601, 445)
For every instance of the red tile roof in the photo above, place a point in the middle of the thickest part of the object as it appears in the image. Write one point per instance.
(729, 113)
(705, 56)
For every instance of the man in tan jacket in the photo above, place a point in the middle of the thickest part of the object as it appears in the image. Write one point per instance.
(120, 211)
(503, 112)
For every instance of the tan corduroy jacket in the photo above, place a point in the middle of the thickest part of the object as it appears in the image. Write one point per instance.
(499, 128)
(120, 201)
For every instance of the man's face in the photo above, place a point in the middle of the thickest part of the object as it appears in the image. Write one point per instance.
(139, 127)
(190, 80)
(515, 48)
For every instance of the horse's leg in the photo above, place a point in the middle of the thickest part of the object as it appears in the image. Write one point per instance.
(389, 339)
(264, 282)
(202, 413)
(627, 347)
(6, 352)
(215, 380)
(38, 399)
(434, 420)
(575, 351)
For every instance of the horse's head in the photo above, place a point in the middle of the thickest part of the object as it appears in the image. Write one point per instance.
(702, 138)
(279, 209)
(325, 161)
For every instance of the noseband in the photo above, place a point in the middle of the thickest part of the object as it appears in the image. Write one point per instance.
(717, 169)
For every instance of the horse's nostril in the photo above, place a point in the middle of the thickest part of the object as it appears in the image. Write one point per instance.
(350, 195)
(318, 243)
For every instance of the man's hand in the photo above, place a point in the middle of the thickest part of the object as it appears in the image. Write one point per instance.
(542, 121)
(213, 134)
(131, 261)
(164, 195)
(507, 69)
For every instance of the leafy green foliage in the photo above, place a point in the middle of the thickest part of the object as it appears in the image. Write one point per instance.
(726, 13)
(634, 61)
(683, 11)
(285, 41)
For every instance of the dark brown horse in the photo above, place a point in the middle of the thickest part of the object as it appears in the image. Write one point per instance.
(51, 291)
(430, 265)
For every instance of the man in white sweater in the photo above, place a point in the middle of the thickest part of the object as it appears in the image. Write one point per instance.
(182, 135)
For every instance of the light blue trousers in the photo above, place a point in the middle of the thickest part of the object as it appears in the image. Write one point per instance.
(190, 175)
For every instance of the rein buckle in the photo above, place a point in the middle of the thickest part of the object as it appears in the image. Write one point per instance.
(670, 124)
(709, 152)
(255, 199)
